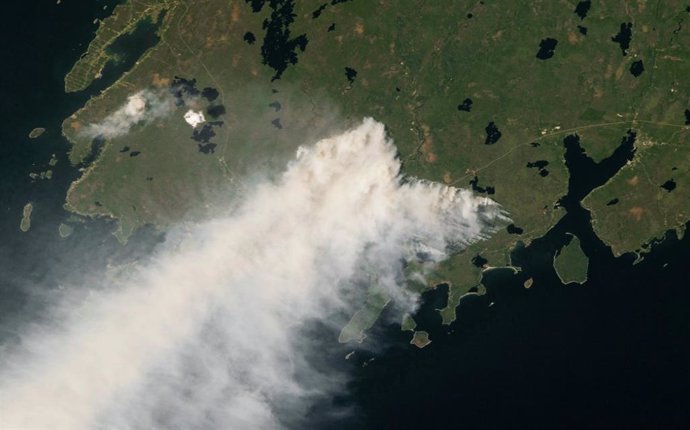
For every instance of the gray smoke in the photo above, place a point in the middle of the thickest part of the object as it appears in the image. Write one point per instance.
(210, 334)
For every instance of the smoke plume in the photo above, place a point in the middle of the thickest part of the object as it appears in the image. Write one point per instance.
(211, 334)
(141, 108)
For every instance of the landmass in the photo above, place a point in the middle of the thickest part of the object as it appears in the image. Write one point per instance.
(124, 19)
(420, 339)
(571, 263)
(408, 323)
(647, 197)
(364, 318)
(25, 223)
(36, 132)
(482, 98)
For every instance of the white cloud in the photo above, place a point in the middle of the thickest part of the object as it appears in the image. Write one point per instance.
(194, 118)
(210, 334)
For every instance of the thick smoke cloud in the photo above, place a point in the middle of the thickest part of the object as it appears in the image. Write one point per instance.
(141, 108)
(211, 334)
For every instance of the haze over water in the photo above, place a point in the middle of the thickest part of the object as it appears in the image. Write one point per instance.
(209, 332)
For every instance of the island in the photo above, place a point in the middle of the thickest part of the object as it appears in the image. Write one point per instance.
(571, 263)
(36, 132)
(46, 174)
(65, 230)
(420, 339)
(364, 318)
(25, 223)
(408, 323)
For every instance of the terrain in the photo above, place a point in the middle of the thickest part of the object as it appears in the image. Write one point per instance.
(484, 96)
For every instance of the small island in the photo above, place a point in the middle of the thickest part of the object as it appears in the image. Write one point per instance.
(65, 230)
(365, 318)
(25, 224)
(36, 132)
(420, 339)
(571, 263)
(408, 323)
(46, 174)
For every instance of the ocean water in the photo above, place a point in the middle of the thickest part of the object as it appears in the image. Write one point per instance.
(41, 42)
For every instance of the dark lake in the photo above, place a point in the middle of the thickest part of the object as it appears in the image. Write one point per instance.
(623, 37)
(546, 48)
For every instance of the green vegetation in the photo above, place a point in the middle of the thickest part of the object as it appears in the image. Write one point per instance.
(634, 207)
(571, 263)
(25, 223)
(416, 62)
(36, 132)
(408, 323)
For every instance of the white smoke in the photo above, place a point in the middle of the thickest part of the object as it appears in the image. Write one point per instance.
(211, 335)
(141, 108)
